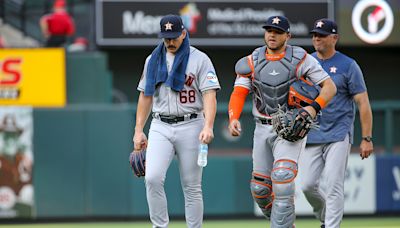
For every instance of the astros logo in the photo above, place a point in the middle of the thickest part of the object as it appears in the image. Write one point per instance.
(168, 26)
(276, 20)
(190, 17)
(382, 11)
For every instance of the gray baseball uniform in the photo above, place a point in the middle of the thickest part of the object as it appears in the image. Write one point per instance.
(275, 159)
(168, 137)
(328, 148)
(330, 158)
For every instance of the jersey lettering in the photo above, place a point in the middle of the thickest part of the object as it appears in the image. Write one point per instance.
(189, 80)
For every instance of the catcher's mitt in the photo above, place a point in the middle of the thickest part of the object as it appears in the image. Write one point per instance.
(292, 125)
(137, 160)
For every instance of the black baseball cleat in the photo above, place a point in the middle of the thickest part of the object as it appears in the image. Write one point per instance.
(323, 226)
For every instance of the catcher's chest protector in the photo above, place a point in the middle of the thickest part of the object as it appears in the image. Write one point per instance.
(272, 79)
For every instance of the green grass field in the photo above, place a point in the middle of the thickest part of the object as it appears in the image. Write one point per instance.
(374, 222)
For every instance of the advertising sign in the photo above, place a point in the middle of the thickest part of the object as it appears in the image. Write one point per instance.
(388, 183)
(32, 77)
(16, 163)
(210, 23)
(373, 22)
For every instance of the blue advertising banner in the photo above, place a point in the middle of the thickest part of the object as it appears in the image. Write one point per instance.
(388, 183)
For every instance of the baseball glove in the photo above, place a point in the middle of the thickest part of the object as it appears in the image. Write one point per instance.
(292, 125)
(137, 160)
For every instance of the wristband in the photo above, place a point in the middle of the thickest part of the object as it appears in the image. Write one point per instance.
(316, 106)
(321, 101)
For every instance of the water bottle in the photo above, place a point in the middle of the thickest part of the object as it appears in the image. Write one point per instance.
(202, 156)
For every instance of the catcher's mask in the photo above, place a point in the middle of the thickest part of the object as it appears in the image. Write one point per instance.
(302, 93)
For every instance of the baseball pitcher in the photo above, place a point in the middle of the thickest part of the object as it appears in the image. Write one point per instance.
(267, 74)
(179, 84)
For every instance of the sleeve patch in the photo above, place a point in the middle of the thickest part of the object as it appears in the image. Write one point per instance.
(211, 78)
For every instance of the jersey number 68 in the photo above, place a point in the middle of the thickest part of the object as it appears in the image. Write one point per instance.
(187, 96)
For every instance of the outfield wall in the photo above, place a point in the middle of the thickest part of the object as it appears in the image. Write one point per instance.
(81, 170)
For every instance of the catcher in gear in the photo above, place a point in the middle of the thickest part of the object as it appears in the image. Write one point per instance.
(267, 74)
(137, 160)
(295, 123)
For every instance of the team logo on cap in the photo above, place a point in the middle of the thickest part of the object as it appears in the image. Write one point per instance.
(276, 20)
(319, 24)
(168, 26)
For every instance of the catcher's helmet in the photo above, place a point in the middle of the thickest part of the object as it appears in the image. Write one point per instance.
(302, 93)
(137, 160)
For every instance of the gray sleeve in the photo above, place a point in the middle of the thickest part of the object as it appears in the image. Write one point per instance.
(207, 76)
(242, 67)
(312, 70)
(243, 82)
(142, 82)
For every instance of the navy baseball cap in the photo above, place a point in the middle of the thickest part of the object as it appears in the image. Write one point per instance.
(325, 27)
(171, 26)
(278, 22)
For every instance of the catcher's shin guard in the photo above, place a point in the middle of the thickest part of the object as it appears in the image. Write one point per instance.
(282, 176)
(261, 190)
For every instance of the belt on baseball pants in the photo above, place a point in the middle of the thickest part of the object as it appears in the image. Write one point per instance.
(175, 119)
(264, 121)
